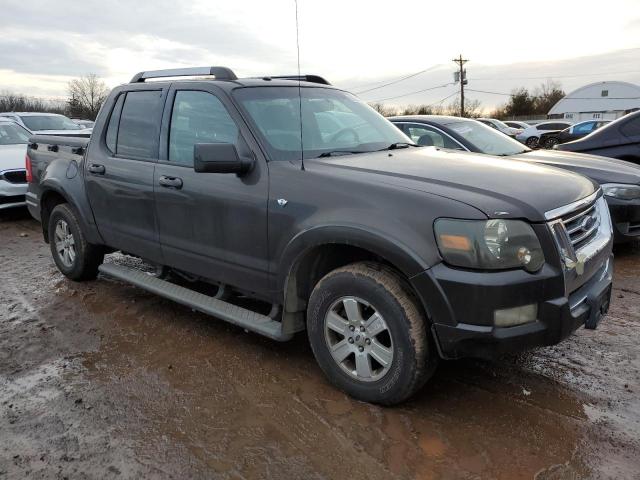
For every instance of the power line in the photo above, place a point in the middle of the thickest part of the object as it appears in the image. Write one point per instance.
(455, 92)
(401, 79)
(410, 93)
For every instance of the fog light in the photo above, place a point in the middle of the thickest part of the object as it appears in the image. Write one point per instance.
(510, 317)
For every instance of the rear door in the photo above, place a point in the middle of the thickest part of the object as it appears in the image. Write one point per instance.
(211, 224)
(119, 174)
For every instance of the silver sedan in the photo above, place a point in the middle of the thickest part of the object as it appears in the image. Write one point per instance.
(13, 175)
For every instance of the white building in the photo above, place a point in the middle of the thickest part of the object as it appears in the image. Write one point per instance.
(601, 100)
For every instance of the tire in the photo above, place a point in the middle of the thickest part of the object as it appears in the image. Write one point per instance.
(370, 291)
(76, 258)
(550, 142)
(531, 142)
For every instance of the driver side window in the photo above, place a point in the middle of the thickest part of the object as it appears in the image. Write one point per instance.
(426, 136)
(198, 117)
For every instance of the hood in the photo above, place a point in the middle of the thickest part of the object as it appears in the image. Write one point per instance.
(86, 132)
(497, 186)
(599, 169)
(12, 156)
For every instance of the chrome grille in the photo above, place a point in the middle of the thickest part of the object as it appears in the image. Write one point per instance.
(582, 226)
(15, 176)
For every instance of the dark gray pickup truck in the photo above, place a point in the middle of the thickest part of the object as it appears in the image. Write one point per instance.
(298, 195)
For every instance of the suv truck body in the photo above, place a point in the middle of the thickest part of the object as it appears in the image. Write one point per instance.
(297, 194)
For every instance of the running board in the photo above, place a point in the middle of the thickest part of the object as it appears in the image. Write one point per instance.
(239, 316)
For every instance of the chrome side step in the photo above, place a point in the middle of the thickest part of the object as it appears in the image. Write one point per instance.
(255, 322)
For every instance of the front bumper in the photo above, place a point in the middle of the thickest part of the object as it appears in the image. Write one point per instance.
(12, 194)
(625, 217)
(463, 303)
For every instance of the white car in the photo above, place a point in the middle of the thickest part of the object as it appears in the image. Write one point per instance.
(500, 126)
(530, 136)
(516, 124)
(13, 175)
(47, 124)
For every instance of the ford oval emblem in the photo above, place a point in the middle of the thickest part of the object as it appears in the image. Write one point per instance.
(587, 223)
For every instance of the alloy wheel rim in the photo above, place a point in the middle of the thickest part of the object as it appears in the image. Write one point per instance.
(358, 339)
(65, 243)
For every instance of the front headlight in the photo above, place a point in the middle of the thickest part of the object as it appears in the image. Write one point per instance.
(489, 244)
(623, 191)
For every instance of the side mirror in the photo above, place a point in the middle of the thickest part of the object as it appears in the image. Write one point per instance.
(219, 158)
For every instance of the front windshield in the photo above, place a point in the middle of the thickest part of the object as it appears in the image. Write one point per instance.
(486, 139)
(333, 121)
(49, 122)
(13, 134)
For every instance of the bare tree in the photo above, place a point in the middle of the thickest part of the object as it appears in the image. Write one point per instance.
(384, 110)
(86, 96)
(472, 108)
(17, 102)
(547, 95)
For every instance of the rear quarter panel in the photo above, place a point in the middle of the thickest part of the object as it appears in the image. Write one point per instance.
(60, 172)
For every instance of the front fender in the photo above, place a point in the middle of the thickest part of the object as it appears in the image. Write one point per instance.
(378, 243)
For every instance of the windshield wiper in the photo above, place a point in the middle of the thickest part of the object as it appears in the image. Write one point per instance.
(397, 145)
(339, 152)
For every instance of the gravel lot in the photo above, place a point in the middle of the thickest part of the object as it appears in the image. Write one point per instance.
(103, 380)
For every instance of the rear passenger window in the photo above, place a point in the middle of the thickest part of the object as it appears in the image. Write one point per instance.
(198, 117)
(140, 125)
(112, 128)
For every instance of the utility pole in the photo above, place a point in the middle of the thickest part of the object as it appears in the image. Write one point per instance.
(462, 78)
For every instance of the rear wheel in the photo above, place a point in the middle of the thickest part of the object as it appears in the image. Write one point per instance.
(76, 258)
(369, 335)
(531, 142)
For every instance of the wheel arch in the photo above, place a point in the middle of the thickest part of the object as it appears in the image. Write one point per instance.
(315, 252)
(53, 194)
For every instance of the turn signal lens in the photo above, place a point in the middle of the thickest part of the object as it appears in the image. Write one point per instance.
(455, 242)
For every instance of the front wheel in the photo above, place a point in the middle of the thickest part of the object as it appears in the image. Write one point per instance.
(369, 335)
(76, 258)
(551, 142)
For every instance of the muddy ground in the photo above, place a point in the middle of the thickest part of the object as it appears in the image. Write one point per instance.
(103, 380)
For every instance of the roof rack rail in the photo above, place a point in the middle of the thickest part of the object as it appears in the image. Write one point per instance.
(221, 73)
(303, 78)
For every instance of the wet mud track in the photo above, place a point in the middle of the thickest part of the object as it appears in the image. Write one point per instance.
(103, 380)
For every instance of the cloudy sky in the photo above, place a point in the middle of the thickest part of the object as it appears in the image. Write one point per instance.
(357, 44)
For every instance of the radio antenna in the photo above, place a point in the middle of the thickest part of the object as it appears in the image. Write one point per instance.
(299, 87)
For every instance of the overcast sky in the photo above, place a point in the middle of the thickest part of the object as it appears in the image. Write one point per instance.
(355, 44)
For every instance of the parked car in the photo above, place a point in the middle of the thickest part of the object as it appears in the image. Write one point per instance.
(501, 126)
(47, 123)
(530, 136)
(574, 132)
(83, 123)
(516, 124)
(619, 180)
(618, 139)
(13, 176)
(389, 255)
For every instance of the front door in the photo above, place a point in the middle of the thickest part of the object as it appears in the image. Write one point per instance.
(119, 174)
(210, 224)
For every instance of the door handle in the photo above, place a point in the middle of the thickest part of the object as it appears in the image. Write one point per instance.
(170, 182)
(97, 169)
